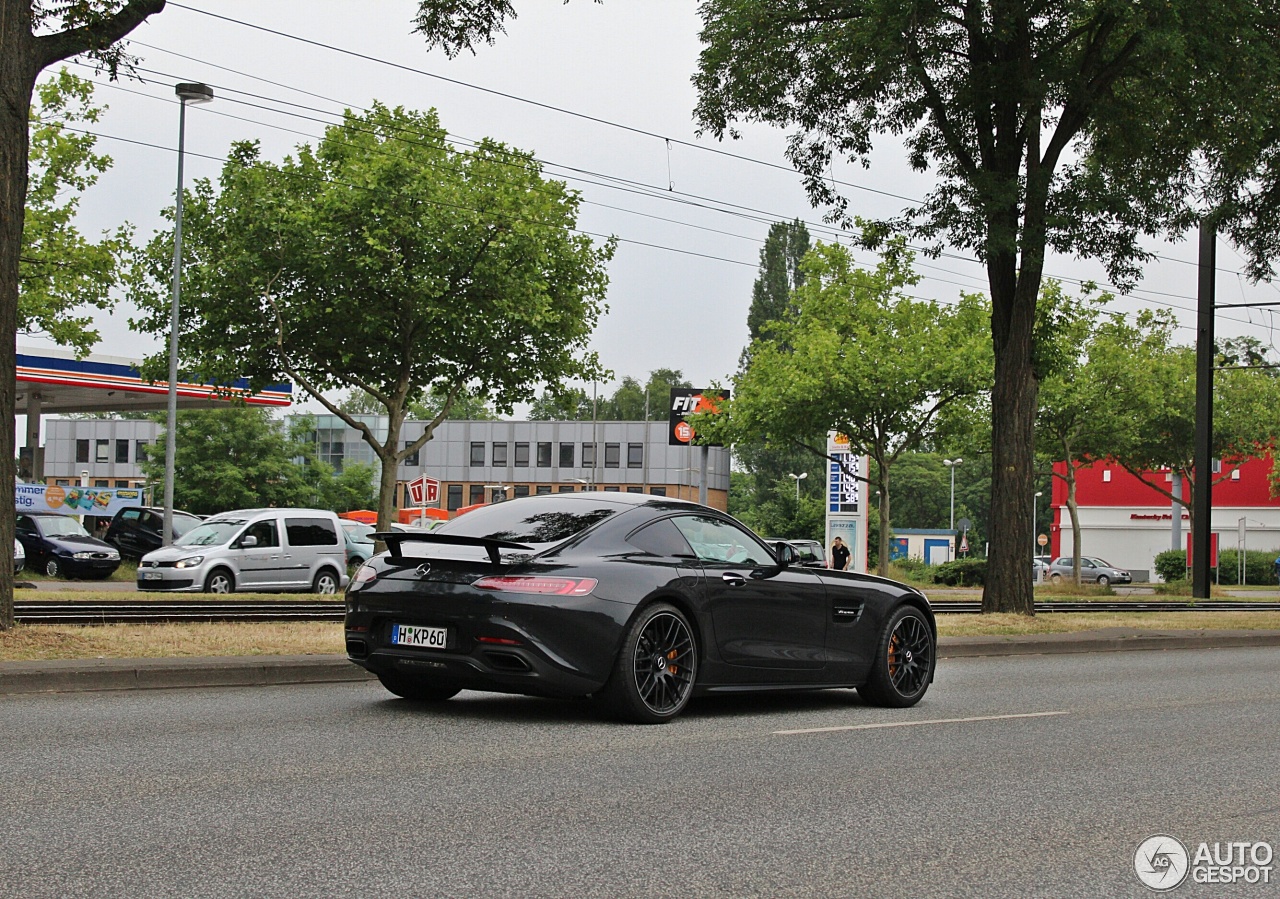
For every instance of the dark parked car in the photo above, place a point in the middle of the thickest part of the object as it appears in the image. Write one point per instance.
(136, 532)
(1092, 571)
(59, 546)
(638, 601)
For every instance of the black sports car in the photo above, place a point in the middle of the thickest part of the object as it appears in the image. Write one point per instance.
(638, 601)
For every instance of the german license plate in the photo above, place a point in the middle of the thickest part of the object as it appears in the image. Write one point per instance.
(426, 637)
(151, 575)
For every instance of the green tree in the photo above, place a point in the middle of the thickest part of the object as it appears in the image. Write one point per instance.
(1071, 125)
(389, 262)
(232, 457)
(563, 404)
(61, 272)
(862, 359)
(780, 274)
(466, 406)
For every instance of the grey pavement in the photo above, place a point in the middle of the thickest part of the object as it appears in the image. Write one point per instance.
(81, 675)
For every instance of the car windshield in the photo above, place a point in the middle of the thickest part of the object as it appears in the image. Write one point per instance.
(62, 526)
(211, 533)
(1102, 563)
(537, 519)
(357, 530)
(183, 522)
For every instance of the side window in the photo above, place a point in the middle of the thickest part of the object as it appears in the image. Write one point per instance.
(719, 542)
(662, 538)
(26, 525)
(265, 531)
(310, 532)
(1088, 563)
(131, 516)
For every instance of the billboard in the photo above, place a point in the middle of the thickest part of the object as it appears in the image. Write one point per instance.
(687, 401)
(76, 500)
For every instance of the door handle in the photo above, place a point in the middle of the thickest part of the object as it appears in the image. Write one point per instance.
(733, 579)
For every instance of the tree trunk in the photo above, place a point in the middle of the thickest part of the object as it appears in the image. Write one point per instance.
(389, 455)
(17, 80)
(882, 568)
(1074, 509)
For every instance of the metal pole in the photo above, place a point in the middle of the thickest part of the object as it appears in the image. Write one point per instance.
(702, 475)
(170, 438)
(1202, 498)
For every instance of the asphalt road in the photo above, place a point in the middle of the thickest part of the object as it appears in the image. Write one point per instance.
(1020, 777)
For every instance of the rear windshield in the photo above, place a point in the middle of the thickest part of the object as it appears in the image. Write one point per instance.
(537, 519)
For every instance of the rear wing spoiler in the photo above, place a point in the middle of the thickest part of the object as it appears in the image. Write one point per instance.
(394, 539)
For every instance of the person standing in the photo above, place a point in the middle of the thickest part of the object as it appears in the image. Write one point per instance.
(840, 555)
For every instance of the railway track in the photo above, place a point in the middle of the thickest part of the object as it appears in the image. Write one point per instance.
(164, 612)
(332, 610)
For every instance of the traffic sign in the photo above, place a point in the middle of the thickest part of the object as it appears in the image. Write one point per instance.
(424, 491)
(964, 544)
(1043, 540)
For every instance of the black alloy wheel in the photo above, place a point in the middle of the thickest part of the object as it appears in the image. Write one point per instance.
(654, 674)
(416, 690)
(904, 661)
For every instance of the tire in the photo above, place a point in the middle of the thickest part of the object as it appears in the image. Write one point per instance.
(326, 582)
(418, 690)
(654, 674)
(904, 660)
(53, 568)
(220, 580)
(1103, 580)
(1056, 578)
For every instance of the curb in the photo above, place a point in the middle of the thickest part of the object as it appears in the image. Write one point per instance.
(89, 675)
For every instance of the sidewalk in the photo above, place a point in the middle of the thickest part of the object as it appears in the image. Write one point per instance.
(82, 675)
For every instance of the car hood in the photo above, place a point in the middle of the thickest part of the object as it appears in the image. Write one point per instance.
(174, 553)
(79, 544)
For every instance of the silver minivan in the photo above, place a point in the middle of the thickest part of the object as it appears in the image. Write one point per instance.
(257, 550)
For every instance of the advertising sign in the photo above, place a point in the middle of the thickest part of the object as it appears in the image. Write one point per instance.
(846, 512)
(76, 500)
(424, 491)
(687, 402)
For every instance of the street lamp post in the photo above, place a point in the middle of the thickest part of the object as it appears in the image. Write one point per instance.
(952, 463)
(798, 478)
(187, 93)
(1035, 546)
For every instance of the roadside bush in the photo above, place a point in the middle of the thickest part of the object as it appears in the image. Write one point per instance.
(961, 573)
(910, 571)
(1171, 565)
(1259, 567)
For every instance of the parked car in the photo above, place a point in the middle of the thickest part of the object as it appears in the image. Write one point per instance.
(360, 546)
(137, 531)
(1039, 569)
(1092, 571)
(59, 546)
(261, 550)
(640, 602)
(810, 551)
(19, 556)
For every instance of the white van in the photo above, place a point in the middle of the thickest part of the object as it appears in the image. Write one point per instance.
(256, 550)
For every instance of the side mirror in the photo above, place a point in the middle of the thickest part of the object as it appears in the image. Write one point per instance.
(786, 554)
(248, 542)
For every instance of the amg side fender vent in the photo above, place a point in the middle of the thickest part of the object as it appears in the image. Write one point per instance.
(848, 614)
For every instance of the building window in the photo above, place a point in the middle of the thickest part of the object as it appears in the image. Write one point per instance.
(1235, 474)
(455, 495)
(544, 455)
(522, 455)
(635, 490)
(497, 495)
(102, 483)
(1106, 475)
(102, 451)
(658, 491)
(566, 488)
(499, 455)
(122, 450)
(612, 490)
(543, 489)
(521, 489)
(140, 452)
(412, 458)
(476, 495)
(588, 455)
(612, 455)
(122, 483)
(635, 455)
(477, 456)
(62, 482)
(566, 455)
(82, 450)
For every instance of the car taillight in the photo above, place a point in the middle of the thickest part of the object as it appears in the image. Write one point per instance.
(551, 586)
(366, 575)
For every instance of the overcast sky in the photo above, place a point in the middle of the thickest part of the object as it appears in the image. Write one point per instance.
(690, 220)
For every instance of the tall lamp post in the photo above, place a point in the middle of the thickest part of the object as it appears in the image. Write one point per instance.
(1035, 545)
(798, 478)
(187, 93)
(952, 463)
